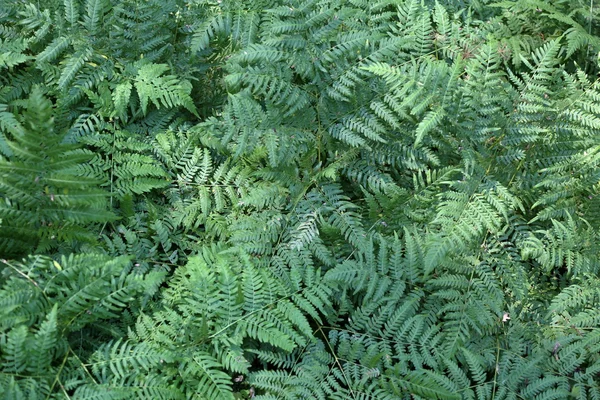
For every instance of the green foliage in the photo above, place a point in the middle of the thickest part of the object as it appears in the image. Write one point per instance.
(163, 91)
(299, 200)
(48, 306)
(45, 201)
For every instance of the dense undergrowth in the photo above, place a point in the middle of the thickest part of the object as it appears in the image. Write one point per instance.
(316, 199)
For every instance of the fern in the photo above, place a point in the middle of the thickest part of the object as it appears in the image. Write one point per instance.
(46, 201)
(163, 91)
(303, 199)
(53, 299)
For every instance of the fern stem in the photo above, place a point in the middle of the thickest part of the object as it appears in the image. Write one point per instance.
(496, 369)
(27, 277)
(337, 361)
(82, 365)
(298, 359)
(56, 378)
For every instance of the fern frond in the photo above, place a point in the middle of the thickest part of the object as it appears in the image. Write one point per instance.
(163, 91)
(95, 10)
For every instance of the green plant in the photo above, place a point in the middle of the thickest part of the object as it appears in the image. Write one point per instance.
(296, 200)
(47, 199)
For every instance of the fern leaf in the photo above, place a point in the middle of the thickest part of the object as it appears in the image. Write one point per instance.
(71, 11)
(73, 66)
(44, 344)
(211, 382)
(95, 10)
